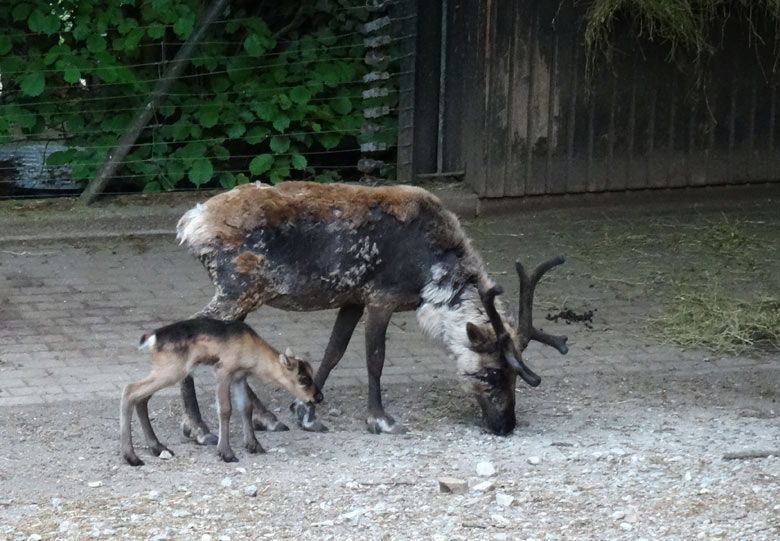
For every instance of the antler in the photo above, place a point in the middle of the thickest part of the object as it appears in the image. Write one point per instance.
(525, 328)
(505, 341)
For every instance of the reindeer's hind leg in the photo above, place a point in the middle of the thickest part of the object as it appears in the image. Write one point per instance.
(142, 409)
(192, 425)
(135, 394)
(345, 325)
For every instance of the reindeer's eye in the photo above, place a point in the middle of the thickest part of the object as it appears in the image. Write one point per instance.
(305, 381)
(491, 376)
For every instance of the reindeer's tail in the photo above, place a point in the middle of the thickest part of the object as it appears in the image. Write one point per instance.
(147, 342)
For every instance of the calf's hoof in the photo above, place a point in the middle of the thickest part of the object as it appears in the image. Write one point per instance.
(201, 435)
(304, 412)
(133, 460)
(384, 425)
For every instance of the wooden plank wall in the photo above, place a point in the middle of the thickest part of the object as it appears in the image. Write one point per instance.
(521, 117)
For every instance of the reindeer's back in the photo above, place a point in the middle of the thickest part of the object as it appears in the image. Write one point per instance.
(311, 246)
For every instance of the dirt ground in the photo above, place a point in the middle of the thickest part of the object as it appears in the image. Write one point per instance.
(599, 456)
(628, 437)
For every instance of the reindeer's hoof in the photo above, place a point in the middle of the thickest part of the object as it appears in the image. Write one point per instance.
(313, 426)
(384, 425)
(254, 448)
(200, 434)
(272, 426)
(160, 449)
(133, 460)
(227, 456)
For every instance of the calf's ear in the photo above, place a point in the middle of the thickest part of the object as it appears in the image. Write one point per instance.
(286, 361)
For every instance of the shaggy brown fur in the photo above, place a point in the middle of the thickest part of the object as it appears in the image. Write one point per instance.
(250, 206)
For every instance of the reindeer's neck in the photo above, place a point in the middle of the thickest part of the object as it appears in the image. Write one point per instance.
(447, 306)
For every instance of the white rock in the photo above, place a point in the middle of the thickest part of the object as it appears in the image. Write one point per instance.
(618, 515)
(250, 490)
(486, 469)
(65, 526)
(34, 537)
(625, 526)
(166, 455)
(534, 460)
(484, 486)
(95, 484)
(226, 482)
(205, 537)
(452, 485)
(500, 520)
(353, 516)
(241, 470)
(504, 500)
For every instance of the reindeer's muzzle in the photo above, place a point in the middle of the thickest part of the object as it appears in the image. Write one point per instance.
(318, 397)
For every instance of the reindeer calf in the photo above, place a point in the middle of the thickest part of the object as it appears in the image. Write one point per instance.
(236, 351)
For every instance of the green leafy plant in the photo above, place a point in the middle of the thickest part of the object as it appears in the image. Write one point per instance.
(269, 91)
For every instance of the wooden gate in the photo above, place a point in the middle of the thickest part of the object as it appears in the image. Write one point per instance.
(514, 114)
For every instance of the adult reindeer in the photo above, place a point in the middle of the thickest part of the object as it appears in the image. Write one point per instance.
(305, 246)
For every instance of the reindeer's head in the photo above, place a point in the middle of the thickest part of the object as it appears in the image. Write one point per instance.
(501, 351)
(298, 377)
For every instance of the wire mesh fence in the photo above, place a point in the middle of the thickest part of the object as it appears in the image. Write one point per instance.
(271, 92)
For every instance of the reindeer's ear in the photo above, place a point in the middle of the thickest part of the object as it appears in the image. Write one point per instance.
(480, 337)
(284, 358)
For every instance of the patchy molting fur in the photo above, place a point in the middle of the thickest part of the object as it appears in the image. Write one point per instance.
(446, 310)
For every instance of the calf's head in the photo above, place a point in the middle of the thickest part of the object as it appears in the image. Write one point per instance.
(298, 377)
(499, 350)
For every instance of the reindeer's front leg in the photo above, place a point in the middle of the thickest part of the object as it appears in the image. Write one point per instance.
(376, 330)
(240, 391)
(346, 321)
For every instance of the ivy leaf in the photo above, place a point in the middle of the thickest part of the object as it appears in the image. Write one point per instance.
(257, 134)
(227, 180)
(241, 178)
(183, 26)
(281, 122)
(341, 105)
(280, 143)
(5, 45)
(21, 11)
(174, 170)
(32, 84)
(300, 95)
(72, 75)
(96, 44)
(201, 171)
(299, 161)
(265, 110)
(255, 45)
(44, 24)
(260, 164)
(155, 31)
(167, 109)
(191, 151)
(235, 131)
(221, 153)
(208, 116)
(152, 187)
(329, 140)
(60, 157)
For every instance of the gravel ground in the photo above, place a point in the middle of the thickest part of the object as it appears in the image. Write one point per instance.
(599, 456)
